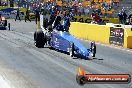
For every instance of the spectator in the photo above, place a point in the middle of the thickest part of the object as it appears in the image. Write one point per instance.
(95, 17)
(106, 10)
(86, 10)
(18, 15)
(120, 15)
(130, 19)
(80, 9)
(124, 17)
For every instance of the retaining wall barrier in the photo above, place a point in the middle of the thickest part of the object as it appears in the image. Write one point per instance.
(116, 34)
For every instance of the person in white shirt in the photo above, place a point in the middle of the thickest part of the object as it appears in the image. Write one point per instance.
(81, 9)
(86, 10)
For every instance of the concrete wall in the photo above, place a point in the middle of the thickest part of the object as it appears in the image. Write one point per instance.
(98, 33)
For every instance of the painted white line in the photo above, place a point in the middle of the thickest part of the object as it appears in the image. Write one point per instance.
(3, 83)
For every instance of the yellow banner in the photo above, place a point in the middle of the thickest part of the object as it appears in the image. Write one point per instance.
(84, 19)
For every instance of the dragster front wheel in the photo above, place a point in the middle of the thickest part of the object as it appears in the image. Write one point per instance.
(93, 49)
(71, 49)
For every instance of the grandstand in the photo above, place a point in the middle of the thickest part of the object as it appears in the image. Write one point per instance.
(117, 6)
(126, 3)
(113, 8)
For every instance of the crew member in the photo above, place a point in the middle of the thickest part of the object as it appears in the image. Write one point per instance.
(130, 19)
(57, 24)
(37, 15)
(124, 17)
(66, 22)
(50, 22)
(27, 17)
(18, 15)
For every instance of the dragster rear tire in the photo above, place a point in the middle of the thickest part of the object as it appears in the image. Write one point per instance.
(39, 39)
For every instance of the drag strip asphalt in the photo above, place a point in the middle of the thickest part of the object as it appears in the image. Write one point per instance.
(26, 66)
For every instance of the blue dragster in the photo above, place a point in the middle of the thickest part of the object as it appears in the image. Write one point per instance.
(63, 41)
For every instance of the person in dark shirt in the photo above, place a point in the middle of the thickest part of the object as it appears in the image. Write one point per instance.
(95, 18)
(52, 12)
(18, 15)
(130, 19)
(120, 15)
(27, 17)
(57, 24)
(124, 17)
(50, 22)
(45, 23)
(66, 22)
(37, 15)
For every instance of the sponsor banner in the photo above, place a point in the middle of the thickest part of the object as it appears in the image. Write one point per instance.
(11, 12)
(108, 78)
(89, 20)
(83, 78)
(116, 36)
(103, 79)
